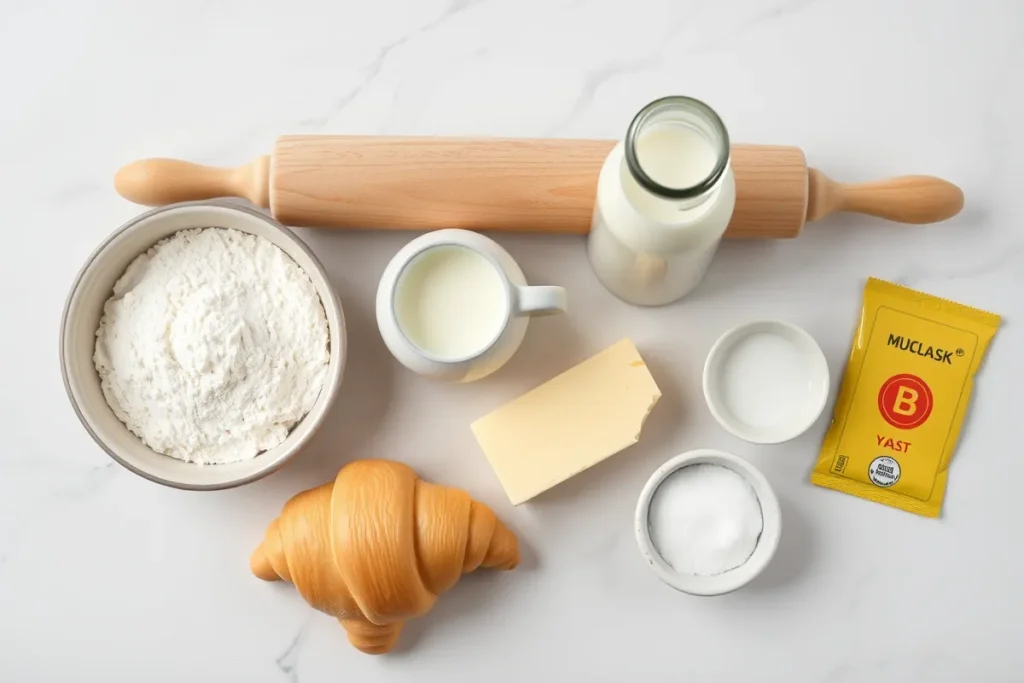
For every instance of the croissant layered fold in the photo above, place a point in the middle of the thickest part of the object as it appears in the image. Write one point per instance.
(376, 546)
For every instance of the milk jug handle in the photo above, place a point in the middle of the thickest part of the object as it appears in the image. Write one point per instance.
(539, 300)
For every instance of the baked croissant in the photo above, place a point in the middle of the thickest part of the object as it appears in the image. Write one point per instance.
(377, 545)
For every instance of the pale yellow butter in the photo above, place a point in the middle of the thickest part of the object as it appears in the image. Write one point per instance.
(570, 423)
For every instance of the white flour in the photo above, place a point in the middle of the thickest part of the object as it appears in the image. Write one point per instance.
(213, 346)
(705, 519)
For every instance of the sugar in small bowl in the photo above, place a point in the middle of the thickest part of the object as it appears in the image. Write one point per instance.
(707, 522)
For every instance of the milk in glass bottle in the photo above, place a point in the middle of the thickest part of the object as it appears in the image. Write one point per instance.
(664, 197)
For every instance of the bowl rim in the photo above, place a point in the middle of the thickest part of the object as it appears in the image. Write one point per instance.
(811, 351)
(332, 380)
(727, 582)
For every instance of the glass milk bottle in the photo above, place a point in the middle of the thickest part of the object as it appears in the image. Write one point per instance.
(664, 197)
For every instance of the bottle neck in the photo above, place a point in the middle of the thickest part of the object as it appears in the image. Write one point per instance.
(665, 211)
(677, 151)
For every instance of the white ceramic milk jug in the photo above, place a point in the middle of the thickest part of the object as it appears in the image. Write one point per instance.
(452, 304)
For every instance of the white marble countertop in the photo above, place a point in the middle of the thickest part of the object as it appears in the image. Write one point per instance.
(105, 576)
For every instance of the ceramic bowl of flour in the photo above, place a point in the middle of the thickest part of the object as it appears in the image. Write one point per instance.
(707, 522)
(85, 308)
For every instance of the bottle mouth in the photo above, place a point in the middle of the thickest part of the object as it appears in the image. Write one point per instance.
(691, 112)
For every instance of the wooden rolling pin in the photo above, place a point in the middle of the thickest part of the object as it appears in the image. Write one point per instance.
(544, 186)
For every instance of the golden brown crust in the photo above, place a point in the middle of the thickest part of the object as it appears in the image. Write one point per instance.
(378, 545)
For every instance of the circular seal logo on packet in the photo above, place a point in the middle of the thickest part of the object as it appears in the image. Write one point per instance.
(884, 471)
(905, 401)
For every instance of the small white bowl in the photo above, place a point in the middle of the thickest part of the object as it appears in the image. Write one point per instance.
(84, 307)
(766, 382)
(725, 582)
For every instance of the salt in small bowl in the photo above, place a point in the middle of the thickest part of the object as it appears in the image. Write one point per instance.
(732, 579)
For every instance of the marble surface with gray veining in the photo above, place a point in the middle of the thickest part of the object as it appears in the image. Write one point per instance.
(107, 577)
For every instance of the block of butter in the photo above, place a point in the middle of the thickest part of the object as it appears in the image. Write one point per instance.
(570, 423)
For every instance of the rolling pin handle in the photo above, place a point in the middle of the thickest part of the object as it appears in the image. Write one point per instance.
(908, 199)
(158, 182)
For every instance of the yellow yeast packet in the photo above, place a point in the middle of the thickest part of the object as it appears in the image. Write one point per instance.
(903, 398)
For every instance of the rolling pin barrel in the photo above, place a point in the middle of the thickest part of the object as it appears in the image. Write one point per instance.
(425, 183)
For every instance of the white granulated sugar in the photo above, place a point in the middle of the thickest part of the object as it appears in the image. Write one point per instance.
(705, 519)
(213, 346)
